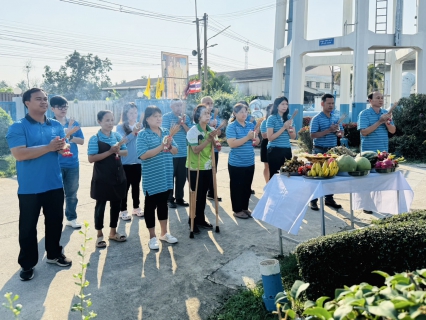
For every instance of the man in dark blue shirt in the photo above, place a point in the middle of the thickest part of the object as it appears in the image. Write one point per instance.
(35, 142)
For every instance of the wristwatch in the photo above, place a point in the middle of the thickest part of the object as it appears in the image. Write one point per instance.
(71, 137)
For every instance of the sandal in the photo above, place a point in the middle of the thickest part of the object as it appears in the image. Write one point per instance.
(241, 215)
(100, 243)
(138, 212)
(118, 237)
(248, 212)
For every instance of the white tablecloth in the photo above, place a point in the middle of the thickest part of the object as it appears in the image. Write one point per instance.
(285, 199)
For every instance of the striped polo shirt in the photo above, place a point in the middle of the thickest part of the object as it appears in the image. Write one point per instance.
(275, 121)
(378, 139)
(131, 157)
(157, 171)
(263, 127)
(170, 119)
(113, 138)
(242, 156)
(321, 122)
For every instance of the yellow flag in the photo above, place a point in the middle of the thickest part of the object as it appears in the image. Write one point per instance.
(162, 85)
(147, 92)
(158, 89)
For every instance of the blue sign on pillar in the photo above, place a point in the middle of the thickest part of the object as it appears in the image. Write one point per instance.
(326, 42)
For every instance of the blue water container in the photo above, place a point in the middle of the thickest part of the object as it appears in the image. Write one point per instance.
(271, 278)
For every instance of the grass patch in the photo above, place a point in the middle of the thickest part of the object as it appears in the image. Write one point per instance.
(7, 166)
(247, 304)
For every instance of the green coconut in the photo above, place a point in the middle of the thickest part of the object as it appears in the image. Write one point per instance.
(346, 163)
(362, 164)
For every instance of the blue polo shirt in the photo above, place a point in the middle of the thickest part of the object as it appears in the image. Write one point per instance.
(219, 121)
(169, 120)
(113, 138)
(43, 173)
(132, 157)
(242, 156)
(249, 116)
(263, 127)
(378, 139)
(157, 172)
(321, 122)
(71, 162)
(275, 121)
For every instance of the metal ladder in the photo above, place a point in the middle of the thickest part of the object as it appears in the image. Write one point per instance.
(381, 25)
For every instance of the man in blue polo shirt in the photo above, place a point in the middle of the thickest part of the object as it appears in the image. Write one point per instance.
(70, 167)
(179, 159)
(324, 130)
(35, 142)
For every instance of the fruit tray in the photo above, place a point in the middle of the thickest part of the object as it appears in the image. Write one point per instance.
(389, 170)
(359, 173)
(292, 174)
(318, 178)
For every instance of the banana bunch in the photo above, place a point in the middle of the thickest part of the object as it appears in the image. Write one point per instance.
(326, 170)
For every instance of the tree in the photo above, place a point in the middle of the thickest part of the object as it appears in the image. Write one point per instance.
(22, 85)
(82, 77)
(374, 78)
(215, 83)
(3, 84)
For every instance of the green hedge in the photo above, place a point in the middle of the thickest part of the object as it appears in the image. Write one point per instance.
(393, 245)
(5, 122)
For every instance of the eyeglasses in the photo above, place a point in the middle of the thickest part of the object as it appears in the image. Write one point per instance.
(62, 107)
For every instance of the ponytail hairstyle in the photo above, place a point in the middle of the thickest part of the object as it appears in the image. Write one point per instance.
(149, 111)
(237, 108)
(197, 112)
(277, 102)
(124, 119)
(102, 113)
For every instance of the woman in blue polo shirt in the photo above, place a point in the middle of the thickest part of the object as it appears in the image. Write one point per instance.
(156, 152)
(264, 144)
(108, 180)
(240, 136)
(129, 128)
(279, 132)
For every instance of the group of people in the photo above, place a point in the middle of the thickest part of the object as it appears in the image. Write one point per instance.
(164, 151)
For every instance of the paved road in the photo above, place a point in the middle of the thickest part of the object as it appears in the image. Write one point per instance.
(182, 281)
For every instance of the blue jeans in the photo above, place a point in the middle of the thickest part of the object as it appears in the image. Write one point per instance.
(70, 177)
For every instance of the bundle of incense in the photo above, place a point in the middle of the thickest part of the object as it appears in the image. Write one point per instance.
(391, 110)
(120, 143)
(173, 130)
(71, 131)
(343, 117)
(292, 117)
(256, 128)
(67, 153)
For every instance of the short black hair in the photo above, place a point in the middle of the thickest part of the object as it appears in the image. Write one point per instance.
(244, 102)
(102, 113)
(58, 101)
(326, 96)
(149, 111)
(277, 102)
(27, 94)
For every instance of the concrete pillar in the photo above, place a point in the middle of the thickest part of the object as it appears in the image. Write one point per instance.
(360, 58)
(421, 53)
(396, 81)
(278, 66)
(347, 16)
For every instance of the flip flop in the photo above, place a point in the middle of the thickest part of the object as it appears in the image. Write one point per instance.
(100, 243)
(118, 237)
(241, 215)
(248, 212)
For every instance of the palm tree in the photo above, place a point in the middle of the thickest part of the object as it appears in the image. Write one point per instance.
(375, 78)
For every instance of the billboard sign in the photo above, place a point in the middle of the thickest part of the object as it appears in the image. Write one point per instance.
(175, 73)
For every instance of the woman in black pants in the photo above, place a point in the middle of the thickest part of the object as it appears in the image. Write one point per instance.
(279, 132)
(264, 145)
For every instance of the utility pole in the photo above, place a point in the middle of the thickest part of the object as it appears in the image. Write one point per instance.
(198, 41)
(205, 51)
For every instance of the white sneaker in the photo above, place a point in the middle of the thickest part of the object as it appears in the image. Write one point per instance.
(169, 238)
(153, 244)
(125, 215)
(74, 224)
(138, 212)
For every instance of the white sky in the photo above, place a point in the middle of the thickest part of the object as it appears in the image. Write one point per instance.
(55, 29)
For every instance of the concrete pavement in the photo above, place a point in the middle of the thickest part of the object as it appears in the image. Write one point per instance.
(181, 281)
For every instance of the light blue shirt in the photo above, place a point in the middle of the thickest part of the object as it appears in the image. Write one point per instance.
(242, 156)
(131, 157)
(170, 119)
(275, 121)
(71, 162)
(41, 174)
(321, 122)
(113, 138)
(263, 127)
(157, 171)
(378, 139)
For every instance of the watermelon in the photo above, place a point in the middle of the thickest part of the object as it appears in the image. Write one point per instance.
(370, 155)
(346, 163)
(362, 164)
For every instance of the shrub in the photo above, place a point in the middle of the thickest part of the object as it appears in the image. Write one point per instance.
(352, 134)
(304, 139)
(410, 121)
(5, 122)
(349, 257)
(307, 121)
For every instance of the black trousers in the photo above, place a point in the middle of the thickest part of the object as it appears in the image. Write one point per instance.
(133, 175)
(276, 158)
(240, 179)
(210, 191)
(156, 201)
(179, 173)
(114, 212)
(204, 180)
(52, 202)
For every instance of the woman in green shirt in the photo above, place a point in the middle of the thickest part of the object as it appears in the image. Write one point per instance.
(200, 138)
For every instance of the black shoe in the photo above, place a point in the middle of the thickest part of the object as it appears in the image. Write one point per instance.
(172, 204)
(182, 203)
(204, 225)
(314, 206)
(367, 211)
(333, 204)
(252, 191)
(212, 198)
(196, 230)
(26, 275)
(61, 261)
